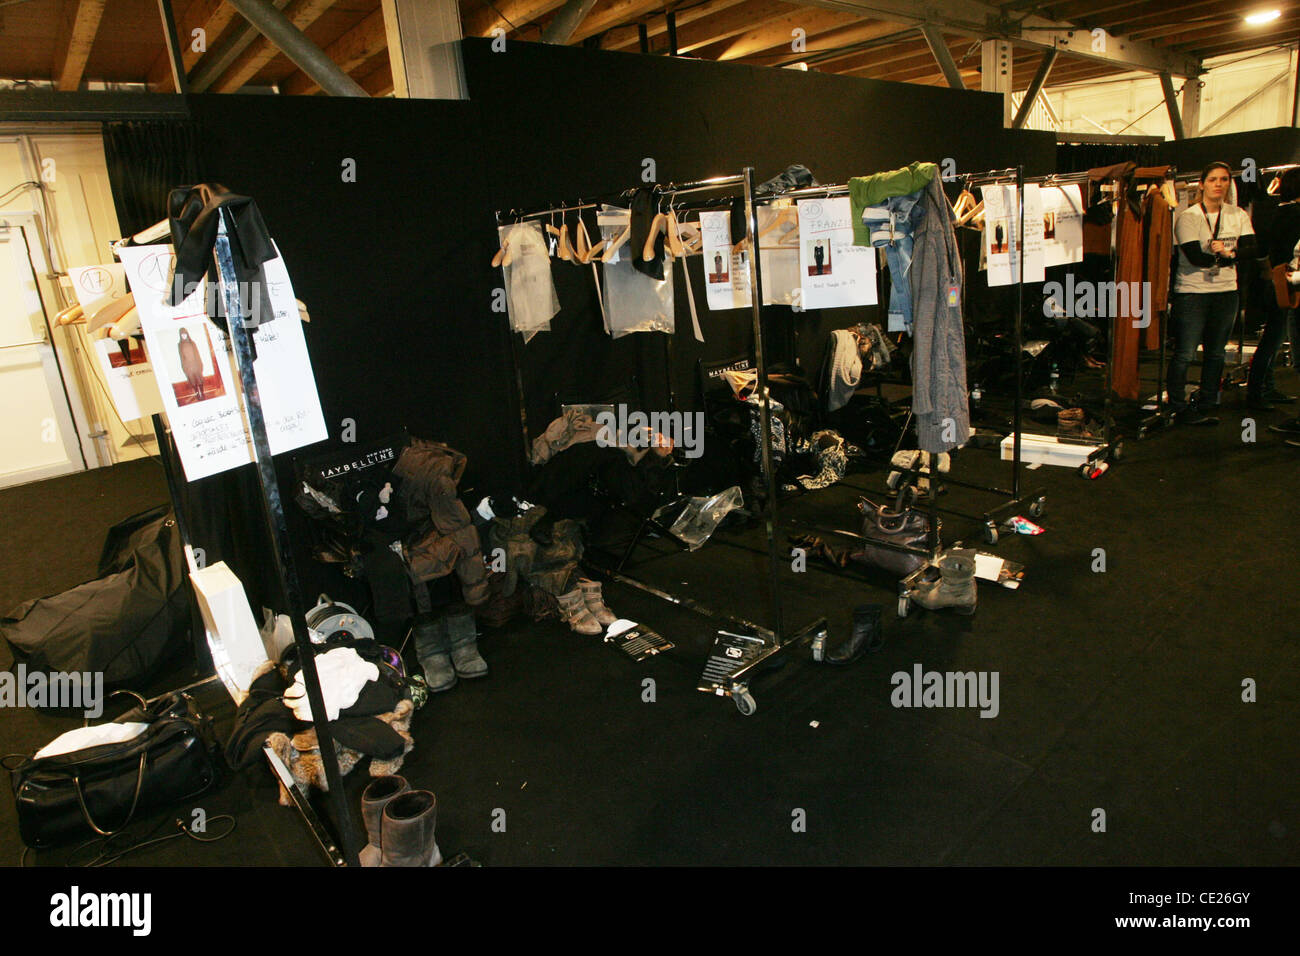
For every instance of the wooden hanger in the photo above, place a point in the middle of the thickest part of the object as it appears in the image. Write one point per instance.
(612, 249)
(657, 225)
(676, 247)
(975, 212)
(785, 214)
(965, 202)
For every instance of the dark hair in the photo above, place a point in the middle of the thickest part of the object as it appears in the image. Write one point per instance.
(1289, 189)
(1205, 173)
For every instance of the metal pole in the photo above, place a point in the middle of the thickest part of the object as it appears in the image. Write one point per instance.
(172, 39)
(281, 549)
(1035, 86)
(756, 299)
(1020, 347)
(290, 41)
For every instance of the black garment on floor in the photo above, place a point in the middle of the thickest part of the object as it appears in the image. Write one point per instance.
(261, 714)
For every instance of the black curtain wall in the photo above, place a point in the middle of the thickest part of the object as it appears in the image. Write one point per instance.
(147, 158)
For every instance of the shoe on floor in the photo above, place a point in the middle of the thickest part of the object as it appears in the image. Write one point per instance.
(1278, 398)
(1289, 427)
(1194, 416)
(1259, 403)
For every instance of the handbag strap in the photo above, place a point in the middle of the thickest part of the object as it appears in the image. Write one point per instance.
(135, 799)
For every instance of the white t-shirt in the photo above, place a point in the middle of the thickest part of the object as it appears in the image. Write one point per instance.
(1193, 225)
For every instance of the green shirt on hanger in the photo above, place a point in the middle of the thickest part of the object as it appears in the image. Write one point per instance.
(865, 191)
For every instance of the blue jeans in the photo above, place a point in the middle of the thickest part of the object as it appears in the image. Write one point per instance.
(891, 225)
(1205, 319)
(1276, 324)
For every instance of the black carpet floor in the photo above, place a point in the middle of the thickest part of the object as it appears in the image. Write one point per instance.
(1120, 691)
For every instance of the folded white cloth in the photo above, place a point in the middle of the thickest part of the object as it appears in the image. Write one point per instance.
(96, 736)
(343, 673)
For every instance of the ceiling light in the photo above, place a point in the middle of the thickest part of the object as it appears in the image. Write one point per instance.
(1262, 17)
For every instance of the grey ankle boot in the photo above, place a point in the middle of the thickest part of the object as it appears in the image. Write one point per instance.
(955, 588)
(409, 822)
(373, 800)
(433, 649)
(463, 637)
(574, 611)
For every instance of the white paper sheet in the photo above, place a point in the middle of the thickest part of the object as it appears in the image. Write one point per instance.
(1062, 225)
(98, 285)
(832, 270)
(1001, 223)
(196, 373)
(726, 272)
(129, 377)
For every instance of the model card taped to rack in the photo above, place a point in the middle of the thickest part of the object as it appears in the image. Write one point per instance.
(1001, 233)
(195, 368)
(833, 271)
(726, 269)
(1062, 224)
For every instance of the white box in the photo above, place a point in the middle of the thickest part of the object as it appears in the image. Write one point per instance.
(1047, 450)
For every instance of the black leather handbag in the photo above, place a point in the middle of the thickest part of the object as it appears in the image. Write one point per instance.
(99, 790)
(907, 527)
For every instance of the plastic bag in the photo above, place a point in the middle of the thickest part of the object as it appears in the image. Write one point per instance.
(698, 518)
(530, 291)
(634, 302)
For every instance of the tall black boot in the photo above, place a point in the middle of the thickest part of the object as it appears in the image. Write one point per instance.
(867, 636)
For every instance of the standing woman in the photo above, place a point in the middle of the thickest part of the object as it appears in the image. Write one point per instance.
(1210, 235)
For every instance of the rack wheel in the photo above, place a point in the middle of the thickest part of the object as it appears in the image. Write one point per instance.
(1085, 470)
(1037, 508)
(1116, 451)
(904, 605)
(745, 702)
(990, 533)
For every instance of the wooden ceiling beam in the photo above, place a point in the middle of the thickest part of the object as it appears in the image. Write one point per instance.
(603, 17)
(625, 37)
(779, 32)
(210, 16)
(513, 13)
(831, 40)
(350, 51)
(80, 24)
(1124, 26)
(729, 23)
(301, 13)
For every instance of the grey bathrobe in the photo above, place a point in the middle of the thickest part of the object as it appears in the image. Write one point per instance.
(939, 346)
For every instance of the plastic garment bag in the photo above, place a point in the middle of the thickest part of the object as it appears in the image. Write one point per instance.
(695, 519)
(779, 251)
(530, 290)
(634, 302)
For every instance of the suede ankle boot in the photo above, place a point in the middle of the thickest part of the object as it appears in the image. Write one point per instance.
(463, 637)
(867, 636)
(373, 800)
(434, 651)
(574, 611)
(592, 597)
(955, 588)
(409, 822)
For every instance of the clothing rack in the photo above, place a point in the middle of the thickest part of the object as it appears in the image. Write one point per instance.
(776, 640)
(1112, 446)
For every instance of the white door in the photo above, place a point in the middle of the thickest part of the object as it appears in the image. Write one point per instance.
(37, 436)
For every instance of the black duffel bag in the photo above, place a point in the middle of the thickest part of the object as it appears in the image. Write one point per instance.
(886, 533)
(99, 790)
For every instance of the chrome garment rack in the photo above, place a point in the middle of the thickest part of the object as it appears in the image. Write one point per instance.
(776, 640)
